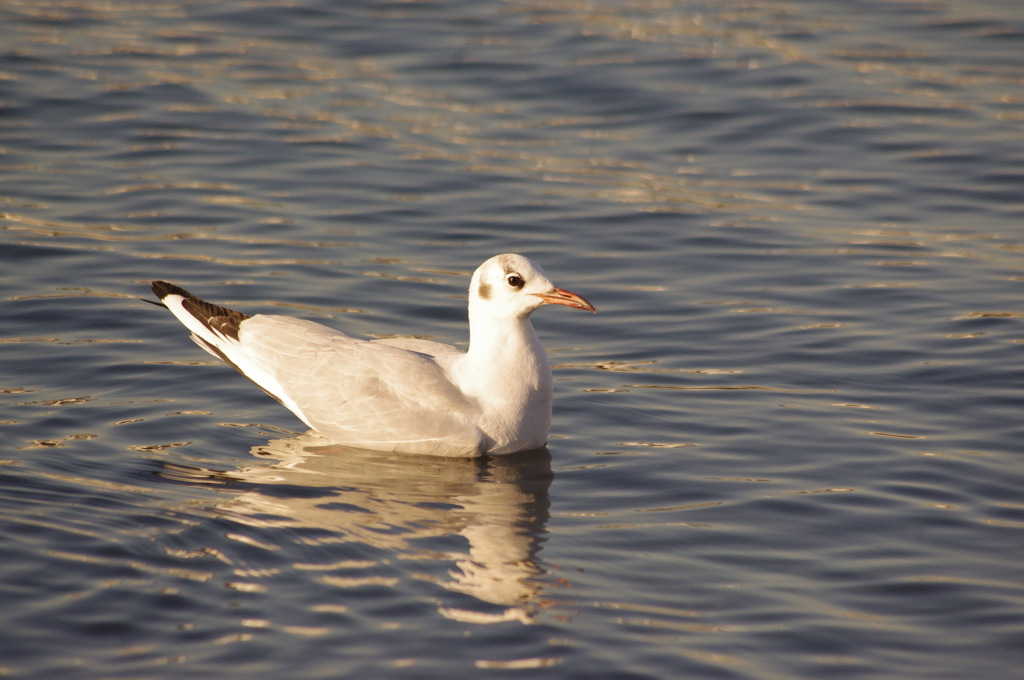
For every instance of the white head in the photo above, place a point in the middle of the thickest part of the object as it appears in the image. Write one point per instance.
(512, 286)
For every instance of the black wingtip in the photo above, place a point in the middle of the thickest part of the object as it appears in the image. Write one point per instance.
(218, 319)
(162, 289)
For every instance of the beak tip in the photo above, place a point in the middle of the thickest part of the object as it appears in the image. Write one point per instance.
(568, 299)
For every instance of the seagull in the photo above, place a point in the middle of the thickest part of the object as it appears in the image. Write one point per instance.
(402, 395)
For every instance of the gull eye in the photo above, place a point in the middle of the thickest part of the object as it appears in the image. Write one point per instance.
(515, 280)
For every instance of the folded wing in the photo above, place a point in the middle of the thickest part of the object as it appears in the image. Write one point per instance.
(367, 394)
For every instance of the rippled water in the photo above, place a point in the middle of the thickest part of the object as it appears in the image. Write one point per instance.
(788, 446)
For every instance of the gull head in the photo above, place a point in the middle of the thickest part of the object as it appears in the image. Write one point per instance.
(513, 286)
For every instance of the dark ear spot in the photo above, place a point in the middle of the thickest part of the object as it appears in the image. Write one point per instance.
(484, 291)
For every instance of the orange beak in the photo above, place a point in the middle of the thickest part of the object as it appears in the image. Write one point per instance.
(564, 297)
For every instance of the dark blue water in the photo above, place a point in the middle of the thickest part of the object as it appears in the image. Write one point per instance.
(788, 446)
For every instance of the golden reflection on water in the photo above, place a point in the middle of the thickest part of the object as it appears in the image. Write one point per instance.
(326, 98)
(499, 507)
(334, 99)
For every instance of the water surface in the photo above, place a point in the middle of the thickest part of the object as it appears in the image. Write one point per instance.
(788, 446)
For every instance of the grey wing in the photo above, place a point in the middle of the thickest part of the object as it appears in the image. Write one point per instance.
(365, 394)
(434, 349)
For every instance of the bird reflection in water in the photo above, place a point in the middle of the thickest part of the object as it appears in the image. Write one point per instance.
(499, 505)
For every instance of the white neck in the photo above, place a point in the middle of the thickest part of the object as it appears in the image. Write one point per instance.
(507, 371)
